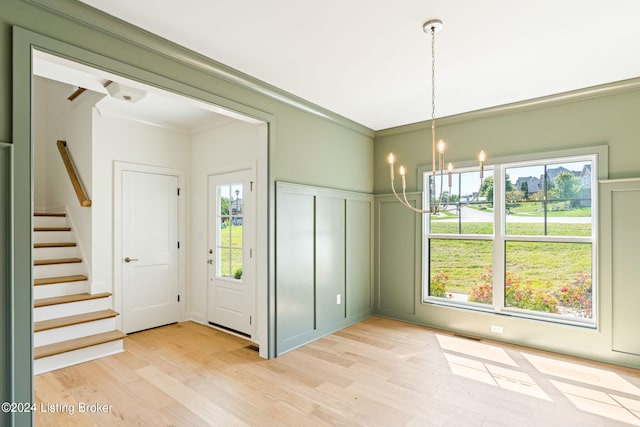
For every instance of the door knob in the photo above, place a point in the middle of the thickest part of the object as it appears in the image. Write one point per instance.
(209, 261)
(127, 259)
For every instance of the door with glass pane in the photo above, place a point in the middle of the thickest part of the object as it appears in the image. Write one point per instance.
(231, 266)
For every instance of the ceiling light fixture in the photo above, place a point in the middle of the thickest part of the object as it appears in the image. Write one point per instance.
(124, 93)
(432, 27)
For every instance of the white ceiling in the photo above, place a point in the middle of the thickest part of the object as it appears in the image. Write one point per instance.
(369, 60)
(157, 107)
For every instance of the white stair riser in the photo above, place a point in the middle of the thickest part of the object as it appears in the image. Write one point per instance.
(56, 270)
(52, 236)
(70, 309)
(51, 253)
(75, 357)
(49, 221)
(61, 289)
(74, 331)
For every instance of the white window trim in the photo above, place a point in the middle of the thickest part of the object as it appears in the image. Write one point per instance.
(599, 157)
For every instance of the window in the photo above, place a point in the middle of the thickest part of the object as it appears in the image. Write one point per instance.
(520, 240)
(229, 239)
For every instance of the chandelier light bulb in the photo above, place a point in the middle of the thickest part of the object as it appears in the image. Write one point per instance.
(482, 157)
(391, 160)
(441, 146)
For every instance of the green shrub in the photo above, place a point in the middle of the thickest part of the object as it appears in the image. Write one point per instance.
(438, 286)
(483, 293)
(576, 297)
(524, 295)
(518, 294)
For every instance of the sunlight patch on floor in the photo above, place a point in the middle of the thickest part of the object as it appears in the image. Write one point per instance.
(600, 403)
(476, 349)
(508, 379)
(584, 374)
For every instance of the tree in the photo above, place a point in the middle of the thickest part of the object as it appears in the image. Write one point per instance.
(567, 187)
(486, 189)
(224, 206)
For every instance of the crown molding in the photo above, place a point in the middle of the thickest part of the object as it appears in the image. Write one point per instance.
(522, 106)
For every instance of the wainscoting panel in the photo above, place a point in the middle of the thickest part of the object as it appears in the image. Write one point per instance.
(359, 256)
(295, 273)
(398, 258)
(323, 262)
(621, 200)
(330, 259)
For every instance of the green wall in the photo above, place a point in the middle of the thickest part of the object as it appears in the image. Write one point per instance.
(601, 116)
(307, 144)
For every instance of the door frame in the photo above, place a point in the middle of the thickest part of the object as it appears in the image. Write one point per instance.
(18, 368)
(118, 168)
(256, 316)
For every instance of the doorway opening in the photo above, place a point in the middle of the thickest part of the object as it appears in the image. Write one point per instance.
(171, 143)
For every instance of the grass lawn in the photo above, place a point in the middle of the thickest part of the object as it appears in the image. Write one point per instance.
(554, 209)
(543, 265)
(513, 228)
(230, 251)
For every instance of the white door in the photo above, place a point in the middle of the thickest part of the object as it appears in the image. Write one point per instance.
(231, 266)
(150, 285)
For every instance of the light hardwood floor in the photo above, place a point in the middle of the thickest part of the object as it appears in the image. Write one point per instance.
(379, 372)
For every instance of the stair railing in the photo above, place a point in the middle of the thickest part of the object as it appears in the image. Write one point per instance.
(73, 175)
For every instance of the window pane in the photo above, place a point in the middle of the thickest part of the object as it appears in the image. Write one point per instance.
(224, 266)
(549, 277)
(460, 270)
(223, 235)
(236, 263)
(549, 200)
(464, 208)
(230, 219)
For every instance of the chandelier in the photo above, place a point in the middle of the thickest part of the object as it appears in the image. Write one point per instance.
(432, 27)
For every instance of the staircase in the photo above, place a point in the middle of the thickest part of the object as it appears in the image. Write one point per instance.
(71, 325)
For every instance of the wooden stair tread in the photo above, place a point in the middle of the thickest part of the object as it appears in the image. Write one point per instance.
(55, 245)
(76, 344)
(68, 298)
(59, 279)
(55, 214)
(51, 228)
(56, 261)
(61, 322)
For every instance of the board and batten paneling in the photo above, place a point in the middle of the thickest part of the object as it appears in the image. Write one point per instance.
(359, 248)
(324, 256)
(620, 238)
(398, 256)
(5, 250)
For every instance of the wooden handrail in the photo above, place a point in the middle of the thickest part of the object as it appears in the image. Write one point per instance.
(73, 174)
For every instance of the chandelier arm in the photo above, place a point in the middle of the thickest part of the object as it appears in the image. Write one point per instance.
(393, 187)
(464, 205)
(405, 202)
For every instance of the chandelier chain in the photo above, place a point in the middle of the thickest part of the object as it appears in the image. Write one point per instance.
(433, 75)
(433, 100)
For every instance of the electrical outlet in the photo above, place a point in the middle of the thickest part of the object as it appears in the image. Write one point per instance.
(338, 299)
(497, 329)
